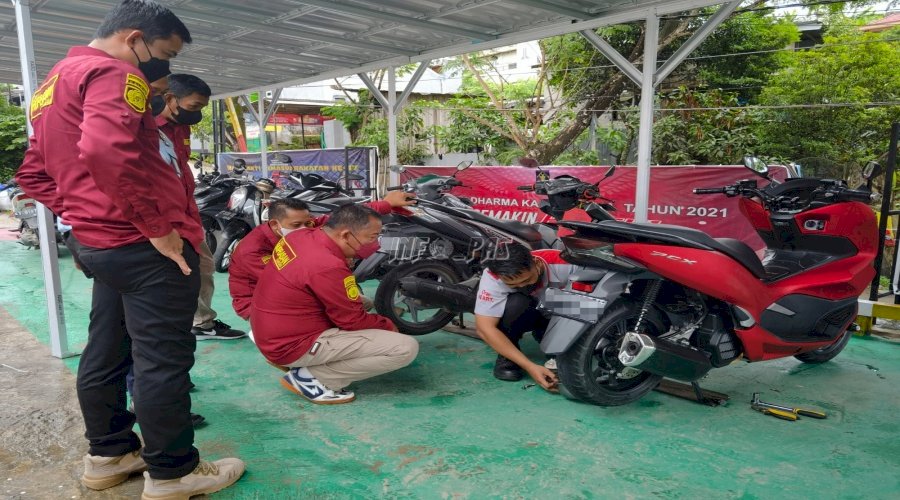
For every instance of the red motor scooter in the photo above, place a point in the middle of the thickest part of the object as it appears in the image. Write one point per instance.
(659, 301)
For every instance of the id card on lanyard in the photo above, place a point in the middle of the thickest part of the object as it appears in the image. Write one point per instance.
(167, 151)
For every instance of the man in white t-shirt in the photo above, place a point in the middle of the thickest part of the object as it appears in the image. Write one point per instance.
(506, 307)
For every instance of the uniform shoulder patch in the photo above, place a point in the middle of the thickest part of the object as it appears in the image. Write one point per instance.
(136, 92)
(43, 97)
(283, 254)
(351, 287)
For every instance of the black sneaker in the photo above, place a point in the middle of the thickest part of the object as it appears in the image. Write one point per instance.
(219, 331)
(505, 369)
(197, 420)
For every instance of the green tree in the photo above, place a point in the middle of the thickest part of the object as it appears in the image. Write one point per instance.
(577, 83)
(828, 118)
(13, 139)
(698, 127)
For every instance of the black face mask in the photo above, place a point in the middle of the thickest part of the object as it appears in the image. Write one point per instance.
(153, 68)
(185, 117)
(157, 104)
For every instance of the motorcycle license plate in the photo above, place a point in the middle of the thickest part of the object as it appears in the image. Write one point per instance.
(24, 214)
(225, 215)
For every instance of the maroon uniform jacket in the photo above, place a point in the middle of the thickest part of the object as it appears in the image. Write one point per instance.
(253, 253)
(306, 289)
(94, 156)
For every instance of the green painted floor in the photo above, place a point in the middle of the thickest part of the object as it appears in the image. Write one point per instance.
(443, 427)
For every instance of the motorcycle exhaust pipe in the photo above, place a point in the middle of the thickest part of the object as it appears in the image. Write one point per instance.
(454, 298)
(663, 358)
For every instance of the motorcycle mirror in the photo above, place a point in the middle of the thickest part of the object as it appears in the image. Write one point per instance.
(871, 170)
(610, 172)
(757, 165)
(397, 168)
(464, 165)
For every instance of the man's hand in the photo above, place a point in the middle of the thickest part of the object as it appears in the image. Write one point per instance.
(544, 377)
(400, 199)
(171, 246)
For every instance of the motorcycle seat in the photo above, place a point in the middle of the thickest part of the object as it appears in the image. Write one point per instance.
(685, 236)
(518, 229)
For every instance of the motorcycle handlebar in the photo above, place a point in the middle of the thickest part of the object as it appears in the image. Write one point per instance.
(525, 188)
(855, 195)
(709, 190)
(394, 188)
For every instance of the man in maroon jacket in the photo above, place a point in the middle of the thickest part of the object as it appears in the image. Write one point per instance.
(94, 160)
(177, 108)
(307, 314)
(255, 250)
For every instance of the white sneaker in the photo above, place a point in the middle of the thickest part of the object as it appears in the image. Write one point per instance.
(550, 364)
(301, 381)
(105, 472)
(208, 477)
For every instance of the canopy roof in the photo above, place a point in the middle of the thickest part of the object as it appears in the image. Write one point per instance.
(242, 46)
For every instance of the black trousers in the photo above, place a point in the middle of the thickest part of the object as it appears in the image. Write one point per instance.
(521, 316)
(141, 317)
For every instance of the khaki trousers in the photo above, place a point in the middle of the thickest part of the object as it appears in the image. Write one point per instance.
(343, 357)
(205, 315)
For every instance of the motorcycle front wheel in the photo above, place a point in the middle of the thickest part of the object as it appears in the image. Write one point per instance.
(222, 255)
(411, 316)
(591, 371)
(826, 353)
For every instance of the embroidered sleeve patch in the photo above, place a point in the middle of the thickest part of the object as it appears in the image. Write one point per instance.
(351, 287)
(43, 97)
(136, 92)
(283, 254)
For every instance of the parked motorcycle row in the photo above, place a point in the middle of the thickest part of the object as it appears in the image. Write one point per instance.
(651, 300)
(231, 205)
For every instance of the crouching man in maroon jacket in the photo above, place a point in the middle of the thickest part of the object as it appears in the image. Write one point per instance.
(307, 314)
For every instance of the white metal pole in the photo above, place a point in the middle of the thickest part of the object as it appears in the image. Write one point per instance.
(645, 134)
(56, 324)
(263, 140)
(392, 125)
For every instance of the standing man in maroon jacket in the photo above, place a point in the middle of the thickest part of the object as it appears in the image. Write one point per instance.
(94, 159)
(307, 313)
(178, 107)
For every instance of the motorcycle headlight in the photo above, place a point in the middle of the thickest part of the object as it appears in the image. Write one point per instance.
(237, 198)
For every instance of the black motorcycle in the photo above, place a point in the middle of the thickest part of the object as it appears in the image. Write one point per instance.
(432, 255)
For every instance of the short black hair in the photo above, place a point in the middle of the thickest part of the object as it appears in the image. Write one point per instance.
(183, 85)
(154, 20)
(278, 208)
(353, 217)
(509, 259)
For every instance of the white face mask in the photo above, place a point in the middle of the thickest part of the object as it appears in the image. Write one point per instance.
(285, 231)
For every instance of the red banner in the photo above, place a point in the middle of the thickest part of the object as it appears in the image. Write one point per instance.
(672, 201)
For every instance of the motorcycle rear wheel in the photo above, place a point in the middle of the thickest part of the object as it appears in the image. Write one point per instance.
(591, 371)
(390, 301)
(826, 353)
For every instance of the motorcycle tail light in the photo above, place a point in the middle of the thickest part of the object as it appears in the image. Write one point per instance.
(593, 253)
(580, 286)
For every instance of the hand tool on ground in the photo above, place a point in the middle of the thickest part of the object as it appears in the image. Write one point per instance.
(758, 405)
